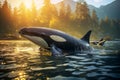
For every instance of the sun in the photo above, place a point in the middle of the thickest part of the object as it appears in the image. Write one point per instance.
(28, 3)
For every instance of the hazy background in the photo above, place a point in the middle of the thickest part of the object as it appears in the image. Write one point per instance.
(75, 17)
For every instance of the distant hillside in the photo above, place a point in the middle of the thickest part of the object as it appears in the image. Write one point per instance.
(111, 10)
(68, 2)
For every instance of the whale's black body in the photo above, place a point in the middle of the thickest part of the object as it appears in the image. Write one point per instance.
(56, 41)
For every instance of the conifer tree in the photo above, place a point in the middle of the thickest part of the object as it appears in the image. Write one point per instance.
(22, 15)
(82, 11)
(6, 21)
(62, 11)
(33, 14)
(68, 12)
(94, 17)
(48, 11)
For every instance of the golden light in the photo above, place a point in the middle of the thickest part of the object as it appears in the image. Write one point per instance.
(28, 4)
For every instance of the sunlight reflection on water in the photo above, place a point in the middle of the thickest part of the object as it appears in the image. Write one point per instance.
(21, 60)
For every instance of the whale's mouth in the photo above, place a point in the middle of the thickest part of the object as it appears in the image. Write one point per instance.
(31, 32)
(24, 31)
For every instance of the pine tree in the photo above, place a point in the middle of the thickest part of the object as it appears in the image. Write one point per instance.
(45, 17)
(94, 17)
(94, 21)
(62, 11)
(34, 10)
(0, 9)
(0, 19)
(33, 14)
(68, 12)
(54, 11)
(22, 15)
(0, 4)
(82, 11)
(15, 18)
(6, 21)
(48, 11)
(86, 10)
(6, 10)
(106, 19)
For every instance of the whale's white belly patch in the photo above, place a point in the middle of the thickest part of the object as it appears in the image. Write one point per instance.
(57, 38)
(38, 40)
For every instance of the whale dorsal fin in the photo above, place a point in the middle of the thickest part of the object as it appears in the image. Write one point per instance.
(86, 37)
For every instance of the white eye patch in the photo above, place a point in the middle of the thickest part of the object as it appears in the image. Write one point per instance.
(57, 38)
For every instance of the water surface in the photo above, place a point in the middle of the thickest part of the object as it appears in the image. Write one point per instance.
(21, 60)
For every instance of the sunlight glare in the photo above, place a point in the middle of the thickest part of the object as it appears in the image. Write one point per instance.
(28, 4)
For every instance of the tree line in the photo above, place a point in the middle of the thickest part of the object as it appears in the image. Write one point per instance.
(56, 16)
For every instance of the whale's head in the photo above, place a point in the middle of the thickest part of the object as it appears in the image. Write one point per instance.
(38, 36)
(40, 32)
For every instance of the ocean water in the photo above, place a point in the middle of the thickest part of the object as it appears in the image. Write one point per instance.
(22, 60)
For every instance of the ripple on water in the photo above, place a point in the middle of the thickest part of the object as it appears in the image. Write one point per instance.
(113, 75)
(13, 74)
(62, 65)
(103, 69)
(3, 75)
(88, 68)
(74, 65)
(67, 78)
(87, 63)
(81, 66)
(70, 69)
(103, 74)
(73, 62)
(49, 62)
(12, 66)
(77, 73)
(85, 60)
(92, 74)
(110, 67)
(40, 68)
(75, 57)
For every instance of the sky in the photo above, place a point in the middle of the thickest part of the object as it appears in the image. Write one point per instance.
(39, 3)
(98, 3)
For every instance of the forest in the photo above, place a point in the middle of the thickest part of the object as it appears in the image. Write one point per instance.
(60, 17)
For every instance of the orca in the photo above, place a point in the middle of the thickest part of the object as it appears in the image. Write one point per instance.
(56, 41)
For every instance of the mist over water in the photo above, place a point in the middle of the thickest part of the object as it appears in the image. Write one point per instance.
(22, 60)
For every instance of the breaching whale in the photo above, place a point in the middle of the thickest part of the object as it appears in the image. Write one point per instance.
(56, 41)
